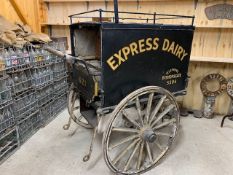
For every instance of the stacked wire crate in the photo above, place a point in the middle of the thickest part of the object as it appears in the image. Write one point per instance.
(33, 90)
(19, 65)
(54, 94)
(8, 131)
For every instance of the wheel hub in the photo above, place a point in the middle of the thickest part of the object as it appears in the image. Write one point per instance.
(149, 135)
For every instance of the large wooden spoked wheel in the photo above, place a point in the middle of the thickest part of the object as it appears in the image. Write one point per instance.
(141, 130)
(74, 109)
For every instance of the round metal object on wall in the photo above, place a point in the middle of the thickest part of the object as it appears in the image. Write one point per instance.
(230, 87)
(222, 85)
(154, 116)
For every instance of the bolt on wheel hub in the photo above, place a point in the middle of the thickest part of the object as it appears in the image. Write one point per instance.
(149, 135)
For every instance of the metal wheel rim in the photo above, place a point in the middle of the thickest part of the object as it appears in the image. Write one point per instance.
(138, 144)
(74, 110)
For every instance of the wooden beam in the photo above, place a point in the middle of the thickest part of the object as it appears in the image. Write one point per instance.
(104, 0)
(36, 16)
(19, 11)
(211, 59)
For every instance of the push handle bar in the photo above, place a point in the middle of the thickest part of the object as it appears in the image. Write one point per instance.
(71, 59)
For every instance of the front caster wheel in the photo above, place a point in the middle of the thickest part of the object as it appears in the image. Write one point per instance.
(154, 116)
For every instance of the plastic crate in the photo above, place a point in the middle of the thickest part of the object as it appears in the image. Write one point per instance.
(25, 105)
(28, 126)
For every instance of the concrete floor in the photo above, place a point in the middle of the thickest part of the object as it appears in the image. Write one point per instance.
(202, 148)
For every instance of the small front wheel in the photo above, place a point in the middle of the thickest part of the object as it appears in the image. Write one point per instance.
(154, 118)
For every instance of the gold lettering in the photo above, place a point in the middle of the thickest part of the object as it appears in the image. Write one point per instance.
(126, 52)
(141, 45)
(184, 55)
(119, 57)
(177, 46)
(144, 45)
(179, 52)
(112, 63)
(155, 42)
(149, 44)
(171, 48)
(166, 43)
(133, 47)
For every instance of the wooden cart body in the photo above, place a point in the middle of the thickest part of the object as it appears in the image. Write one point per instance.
(128, 57)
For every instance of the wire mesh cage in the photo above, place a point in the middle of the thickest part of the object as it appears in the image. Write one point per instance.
(28, 126)
(40, 57)
(46, 113)
(59, 104)
(7, 119)
(25, 105)
(29, 96)
(8, 143)
(60, 46)
(42, 76)
(20, 81)
(44, 95)
(16, 59)
(2, 64)
(59, 70)
(60, 87)
(5, 92)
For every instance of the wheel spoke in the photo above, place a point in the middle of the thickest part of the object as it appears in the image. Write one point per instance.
(164, 124)
(130, 119)
(162, 114)
(123, 141)
(148, 108)
(157, 107)
(138, 106)
(118, 129)
(140, 156)
(149, 152)
(119, 156)
(163, 134)
(158, 145)
(131, 156)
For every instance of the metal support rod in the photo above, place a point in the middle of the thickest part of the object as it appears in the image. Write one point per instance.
(100, 11)
(193, 20)
(154, 17)
(116, 11)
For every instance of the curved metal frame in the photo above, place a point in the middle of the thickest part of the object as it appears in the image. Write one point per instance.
(72, 99)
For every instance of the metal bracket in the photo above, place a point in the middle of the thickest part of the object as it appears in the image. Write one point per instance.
(209, 106)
